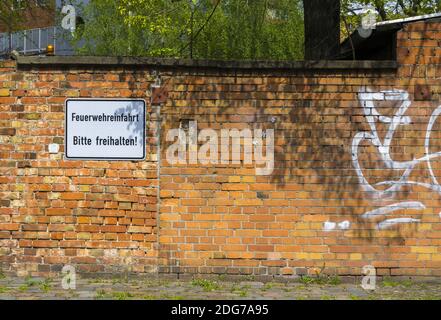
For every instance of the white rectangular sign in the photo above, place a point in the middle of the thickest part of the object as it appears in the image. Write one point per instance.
(100, 129)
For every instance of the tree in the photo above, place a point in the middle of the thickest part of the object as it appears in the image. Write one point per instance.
(13, 13)
(10, 17)
(322, 29)
(395, 9)
(244, 29)
(386, 9)
(104, 31)
(210, 29)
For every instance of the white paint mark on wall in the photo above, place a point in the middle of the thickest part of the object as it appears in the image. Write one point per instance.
(329, 226)
(344, 225)
(367, 99)
(392, 222)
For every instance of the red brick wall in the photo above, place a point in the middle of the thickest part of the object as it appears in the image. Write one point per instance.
(99, 216)
(102, 216)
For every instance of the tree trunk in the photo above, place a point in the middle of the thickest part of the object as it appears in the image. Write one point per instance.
(322, 29)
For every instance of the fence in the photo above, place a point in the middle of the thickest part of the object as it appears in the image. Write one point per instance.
(34, 40)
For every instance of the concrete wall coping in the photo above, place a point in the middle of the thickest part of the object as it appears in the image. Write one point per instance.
(67, 61)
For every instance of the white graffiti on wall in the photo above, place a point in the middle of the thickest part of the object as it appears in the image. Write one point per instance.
(329, 225)
(367, 100)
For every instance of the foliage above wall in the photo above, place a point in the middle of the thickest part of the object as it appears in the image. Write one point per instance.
(217, 29)
(211, 29)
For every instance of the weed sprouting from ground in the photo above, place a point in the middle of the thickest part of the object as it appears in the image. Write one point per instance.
(122, 295)
(207, 285)
(3, 289)
(389, 282)
(321, 278)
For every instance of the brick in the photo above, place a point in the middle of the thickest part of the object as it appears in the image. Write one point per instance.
(424, 249)
(44, 244)
(139, 229)
(248, 202)
(58, 211)
(9, 226)
(7, 131)
(125, 198)
(72, 196)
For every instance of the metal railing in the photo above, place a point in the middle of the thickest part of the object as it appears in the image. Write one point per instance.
(28, 41)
